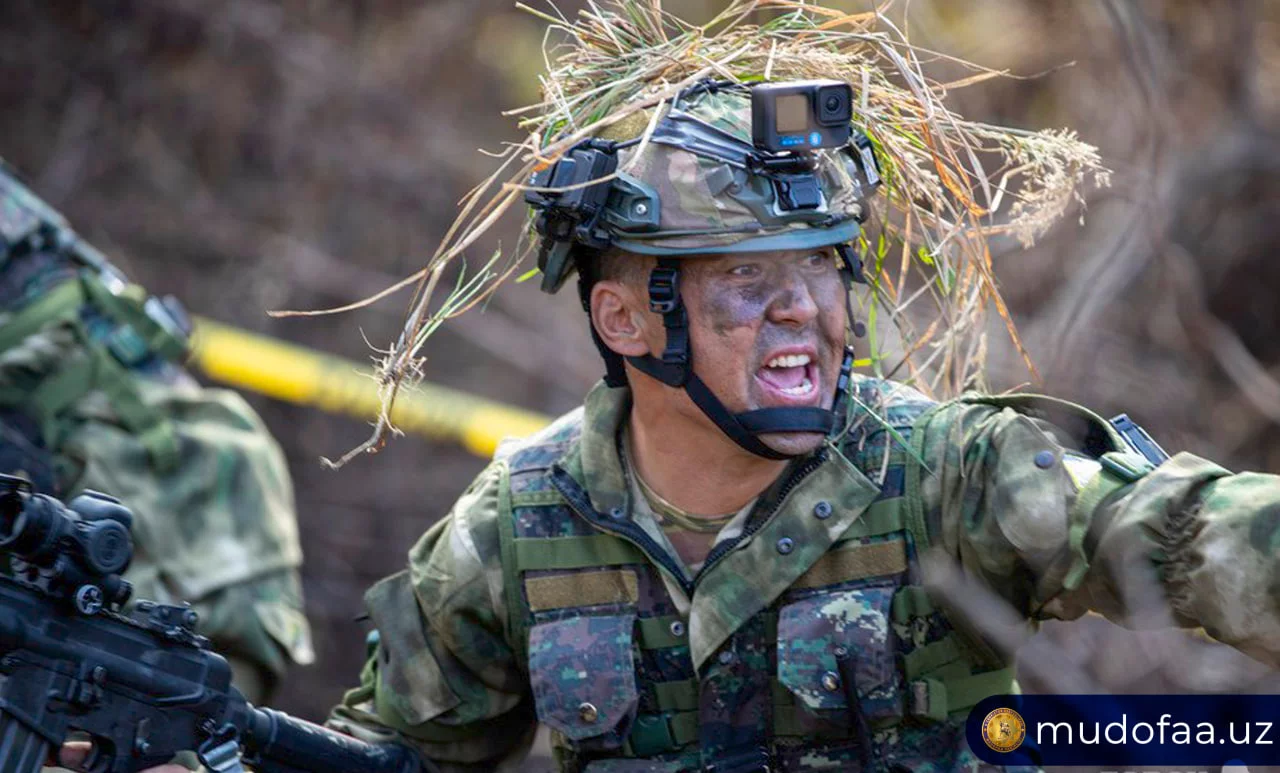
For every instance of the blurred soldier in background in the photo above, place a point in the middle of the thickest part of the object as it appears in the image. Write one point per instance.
(93, 395)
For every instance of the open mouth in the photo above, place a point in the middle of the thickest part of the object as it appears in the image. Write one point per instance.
(791, 377)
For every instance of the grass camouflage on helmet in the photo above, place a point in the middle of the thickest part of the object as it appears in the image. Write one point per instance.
(948, 184)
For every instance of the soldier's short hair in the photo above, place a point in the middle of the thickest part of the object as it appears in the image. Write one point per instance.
(623, 266)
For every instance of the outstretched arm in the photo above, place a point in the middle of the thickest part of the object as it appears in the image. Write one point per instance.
(1057, 534)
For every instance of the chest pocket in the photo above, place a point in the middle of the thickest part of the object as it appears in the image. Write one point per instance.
(836, 640)
(582, 671)
(853, 625)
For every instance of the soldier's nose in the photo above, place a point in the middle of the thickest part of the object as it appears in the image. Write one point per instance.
(793, 305)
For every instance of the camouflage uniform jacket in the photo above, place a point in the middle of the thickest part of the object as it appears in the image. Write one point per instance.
(808, 642)
(92, 396)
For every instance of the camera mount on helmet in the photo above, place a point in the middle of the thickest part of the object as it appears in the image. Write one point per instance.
(774, 180)
(788, 122)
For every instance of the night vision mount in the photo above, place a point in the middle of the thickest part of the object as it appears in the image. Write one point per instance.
(776, 177)
(571, 209)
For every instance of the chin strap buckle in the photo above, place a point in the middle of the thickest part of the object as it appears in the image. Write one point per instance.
(664, 299)
(664, 289)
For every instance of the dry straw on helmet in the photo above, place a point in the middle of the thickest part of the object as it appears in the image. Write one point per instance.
(949, 183)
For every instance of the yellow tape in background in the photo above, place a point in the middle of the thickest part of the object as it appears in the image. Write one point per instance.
(307, 377)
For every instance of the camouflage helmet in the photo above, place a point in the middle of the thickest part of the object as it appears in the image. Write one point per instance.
(694, 188)
(694, 184)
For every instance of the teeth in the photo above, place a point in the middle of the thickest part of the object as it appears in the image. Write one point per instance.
(804, 388)
(789, 361)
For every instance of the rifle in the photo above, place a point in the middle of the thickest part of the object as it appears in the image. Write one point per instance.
(141, 685)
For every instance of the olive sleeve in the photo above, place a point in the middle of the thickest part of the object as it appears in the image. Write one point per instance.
(1056, 533)
(442, 676)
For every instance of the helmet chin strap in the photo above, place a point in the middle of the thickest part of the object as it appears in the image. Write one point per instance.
(675, 368)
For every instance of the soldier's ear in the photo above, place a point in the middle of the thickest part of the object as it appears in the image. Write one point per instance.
(616, 312)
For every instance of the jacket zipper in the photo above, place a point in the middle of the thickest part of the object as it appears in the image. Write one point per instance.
(578, 502)
(756, 524)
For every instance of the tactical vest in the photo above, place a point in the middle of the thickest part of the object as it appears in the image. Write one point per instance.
(50, 277)
(119, 328)
(609, 661)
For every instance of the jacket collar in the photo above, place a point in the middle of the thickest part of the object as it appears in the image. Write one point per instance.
(757, 571)
(785, 537)
(599, 465)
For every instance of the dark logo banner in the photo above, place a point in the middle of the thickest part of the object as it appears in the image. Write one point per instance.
(1123, 731)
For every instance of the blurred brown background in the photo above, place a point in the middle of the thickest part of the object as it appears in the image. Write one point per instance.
(250, 155)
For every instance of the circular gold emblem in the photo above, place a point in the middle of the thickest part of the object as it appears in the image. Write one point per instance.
(1003, 730)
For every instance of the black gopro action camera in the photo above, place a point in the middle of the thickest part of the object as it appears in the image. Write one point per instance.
(801, 115)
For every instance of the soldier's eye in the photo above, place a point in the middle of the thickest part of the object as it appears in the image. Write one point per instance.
(745, 270)
(818, 259)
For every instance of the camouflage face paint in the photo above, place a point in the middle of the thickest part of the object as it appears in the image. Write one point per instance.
(746, 310)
